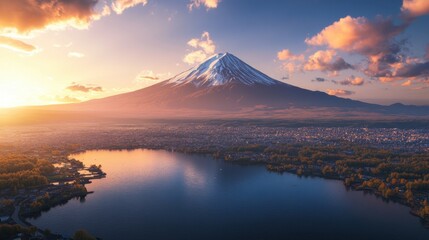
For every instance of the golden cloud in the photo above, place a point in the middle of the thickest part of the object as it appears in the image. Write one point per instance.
(119, 6)
(20, 17)
(339, 92)
(204, 47)
(406, 83)
(82, 88)
(16, 45)
(195, 57)
(27, 15)
(207, 3)
(205, 43)
(66, 99)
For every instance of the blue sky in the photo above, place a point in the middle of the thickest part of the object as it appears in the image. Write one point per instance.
(66, 61)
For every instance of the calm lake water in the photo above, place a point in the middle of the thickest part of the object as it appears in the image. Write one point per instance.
(162, 195)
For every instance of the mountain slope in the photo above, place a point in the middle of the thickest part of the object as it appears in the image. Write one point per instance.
(224, 83)
(222, 69)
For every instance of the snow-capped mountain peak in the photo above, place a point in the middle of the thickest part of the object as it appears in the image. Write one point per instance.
(221, 69)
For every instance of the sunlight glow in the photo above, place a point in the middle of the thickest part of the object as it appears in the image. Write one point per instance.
(13, 94)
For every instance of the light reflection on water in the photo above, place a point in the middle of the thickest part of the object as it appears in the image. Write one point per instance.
(150, 194)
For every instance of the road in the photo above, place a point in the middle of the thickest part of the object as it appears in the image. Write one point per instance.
(15, 217)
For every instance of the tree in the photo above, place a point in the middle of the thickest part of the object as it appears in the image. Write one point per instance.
(83, 235)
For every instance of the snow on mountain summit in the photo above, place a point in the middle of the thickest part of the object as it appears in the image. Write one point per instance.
(221, 69)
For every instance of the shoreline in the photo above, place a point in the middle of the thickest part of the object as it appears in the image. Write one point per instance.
(64, 192)
(413, 207)
(227, 155)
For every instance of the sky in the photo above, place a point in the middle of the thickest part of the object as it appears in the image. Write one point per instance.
(64, 51)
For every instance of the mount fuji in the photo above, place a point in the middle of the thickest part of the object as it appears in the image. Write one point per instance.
(225, 84)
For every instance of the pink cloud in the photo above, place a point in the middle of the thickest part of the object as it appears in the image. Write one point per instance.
(326, 60)
(374, 40)
(352, 80)
(286, 54)
(415, 8)
(357, 35)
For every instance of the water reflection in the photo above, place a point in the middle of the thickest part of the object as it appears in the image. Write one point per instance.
(162, 195)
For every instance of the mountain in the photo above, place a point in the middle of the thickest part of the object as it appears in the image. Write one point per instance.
(225, 84)
(221, 69)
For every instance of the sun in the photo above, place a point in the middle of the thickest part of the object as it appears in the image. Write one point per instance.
(7, 99)
(9, 96)
(14, 94)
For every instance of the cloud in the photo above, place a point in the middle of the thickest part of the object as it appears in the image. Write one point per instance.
(204, 47)
(326, 60)
(66, 99)
(206, 3)
(118, 6)
(16, 45)
(406, 83)
(105, 11)
(358, 35)
(195, 57)
(21, 17)
(352, 80)
(339, 92)
(286, 54)
(290, 67)
(319, 79)
(82, 88)
(75, 55)
(24, 16)
(150, 75)
(420, 69)
(414, 8)
(204, 42)
(375, 41)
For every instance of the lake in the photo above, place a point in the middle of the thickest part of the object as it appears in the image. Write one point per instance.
(154, 194)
